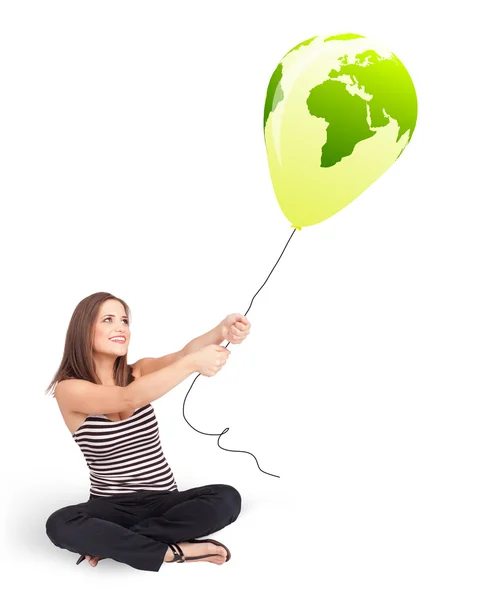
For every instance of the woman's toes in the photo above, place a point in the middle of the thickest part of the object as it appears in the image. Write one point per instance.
(222, 551)
(221, 555)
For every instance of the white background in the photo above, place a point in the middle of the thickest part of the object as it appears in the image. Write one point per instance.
(133, 162)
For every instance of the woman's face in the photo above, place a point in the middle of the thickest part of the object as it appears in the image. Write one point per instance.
(111, 322)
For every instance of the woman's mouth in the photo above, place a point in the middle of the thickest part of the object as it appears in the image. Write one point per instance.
(118, 340)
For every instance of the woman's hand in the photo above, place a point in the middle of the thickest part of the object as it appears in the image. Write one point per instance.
(235, 328)
(210, 359)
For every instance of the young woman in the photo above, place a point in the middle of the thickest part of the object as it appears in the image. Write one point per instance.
(135, 513)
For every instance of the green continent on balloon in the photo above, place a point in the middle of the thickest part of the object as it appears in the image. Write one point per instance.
(305, 43)
(343, 36)
(274, 93)
(346, 116)
(387, 80)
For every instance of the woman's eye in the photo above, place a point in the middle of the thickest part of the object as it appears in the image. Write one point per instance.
(126, 320)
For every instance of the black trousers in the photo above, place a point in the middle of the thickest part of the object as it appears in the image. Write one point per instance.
(136, 528)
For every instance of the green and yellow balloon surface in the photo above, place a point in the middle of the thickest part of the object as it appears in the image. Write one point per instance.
(338, 113)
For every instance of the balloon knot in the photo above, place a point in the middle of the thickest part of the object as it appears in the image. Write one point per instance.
(298, 227)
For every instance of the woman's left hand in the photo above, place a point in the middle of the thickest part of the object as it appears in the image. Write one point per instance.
(235, 328)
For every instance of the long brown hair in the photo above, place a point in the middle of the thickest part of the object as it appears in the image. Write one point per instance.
(77, 361)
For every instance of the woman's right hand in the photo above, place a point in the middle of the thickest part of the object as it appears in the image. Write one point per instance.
(210, 359)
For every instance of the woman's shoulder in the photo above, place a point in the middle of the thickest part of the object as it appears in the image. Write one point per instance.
(73, 420)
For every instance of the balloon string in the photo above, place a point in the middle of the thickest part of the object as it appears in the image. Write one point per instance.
(227, 428)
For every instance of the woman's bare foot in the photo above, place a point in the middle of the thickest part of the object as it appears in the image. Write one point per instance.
(191, 550)
(92, 560)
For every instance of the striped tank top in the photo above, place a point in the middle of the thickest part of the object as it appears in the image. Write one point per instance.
(124, 456)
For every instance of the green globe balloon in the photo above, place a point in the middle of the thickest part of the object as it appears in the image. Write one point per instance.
(338, 113)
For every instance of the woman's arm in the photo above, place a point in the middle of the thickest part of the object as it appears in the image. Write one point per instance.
(144, 366)
(148, 365)
(152, 386)
(214, 336)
